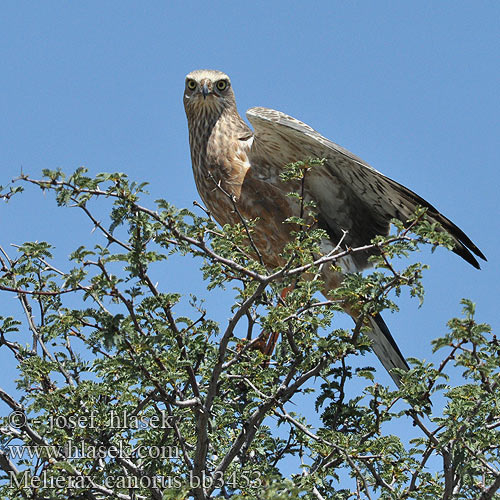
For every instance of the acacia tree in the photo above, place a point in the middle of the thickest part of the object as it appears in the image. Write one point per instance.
(119, 396)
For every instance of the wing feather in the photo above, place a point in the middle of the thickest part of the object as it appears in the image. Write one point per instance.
(351, 194)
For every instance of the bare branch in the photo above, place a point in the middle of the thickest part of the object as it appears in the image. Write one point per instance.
(489, 493)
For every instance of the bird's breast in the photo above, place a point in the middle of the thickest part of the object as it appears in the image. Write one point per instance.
(220, 164)
(234, 192)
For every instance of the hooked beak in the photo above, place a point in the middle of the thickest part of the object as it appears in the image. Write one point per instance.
(205, 91)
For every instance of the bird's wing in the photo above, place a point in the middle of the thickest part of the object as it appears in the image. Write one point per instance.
(351, 195)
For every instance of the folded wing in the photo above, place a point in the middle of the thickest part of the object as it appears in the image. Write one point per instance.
(351, 195)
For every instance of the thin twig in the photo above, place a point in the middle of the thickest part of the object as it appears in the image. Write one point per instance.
(232, 198)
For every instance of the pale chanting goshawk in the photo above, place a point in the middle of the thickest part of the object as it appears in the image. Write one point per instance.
(234, 165)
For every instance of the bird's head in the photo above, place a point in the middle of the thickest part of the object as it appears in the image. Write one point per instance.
(207, 91)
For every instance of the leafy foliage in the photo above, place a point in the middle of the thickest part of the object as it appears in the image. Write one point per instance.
(122, 397)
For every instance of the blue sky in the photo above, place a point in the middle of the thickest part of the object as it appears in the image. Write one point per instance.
(411, 87)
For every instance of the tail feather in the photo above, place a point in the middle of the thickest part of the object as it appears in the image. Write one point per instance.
(385, 347)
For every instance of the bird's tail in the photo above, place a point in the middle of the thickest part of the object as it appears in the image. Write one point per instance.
(385, 347)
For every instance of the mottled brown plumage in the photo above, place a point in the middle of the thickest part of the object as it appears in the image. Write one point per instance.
(229, 160)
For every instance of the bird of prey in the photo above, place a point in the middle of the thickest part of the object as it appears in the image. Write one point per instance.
(236, 167)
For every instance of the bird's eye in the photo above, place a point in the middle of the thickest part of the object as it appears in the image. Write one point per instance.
(221, 85)
(191, 84)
